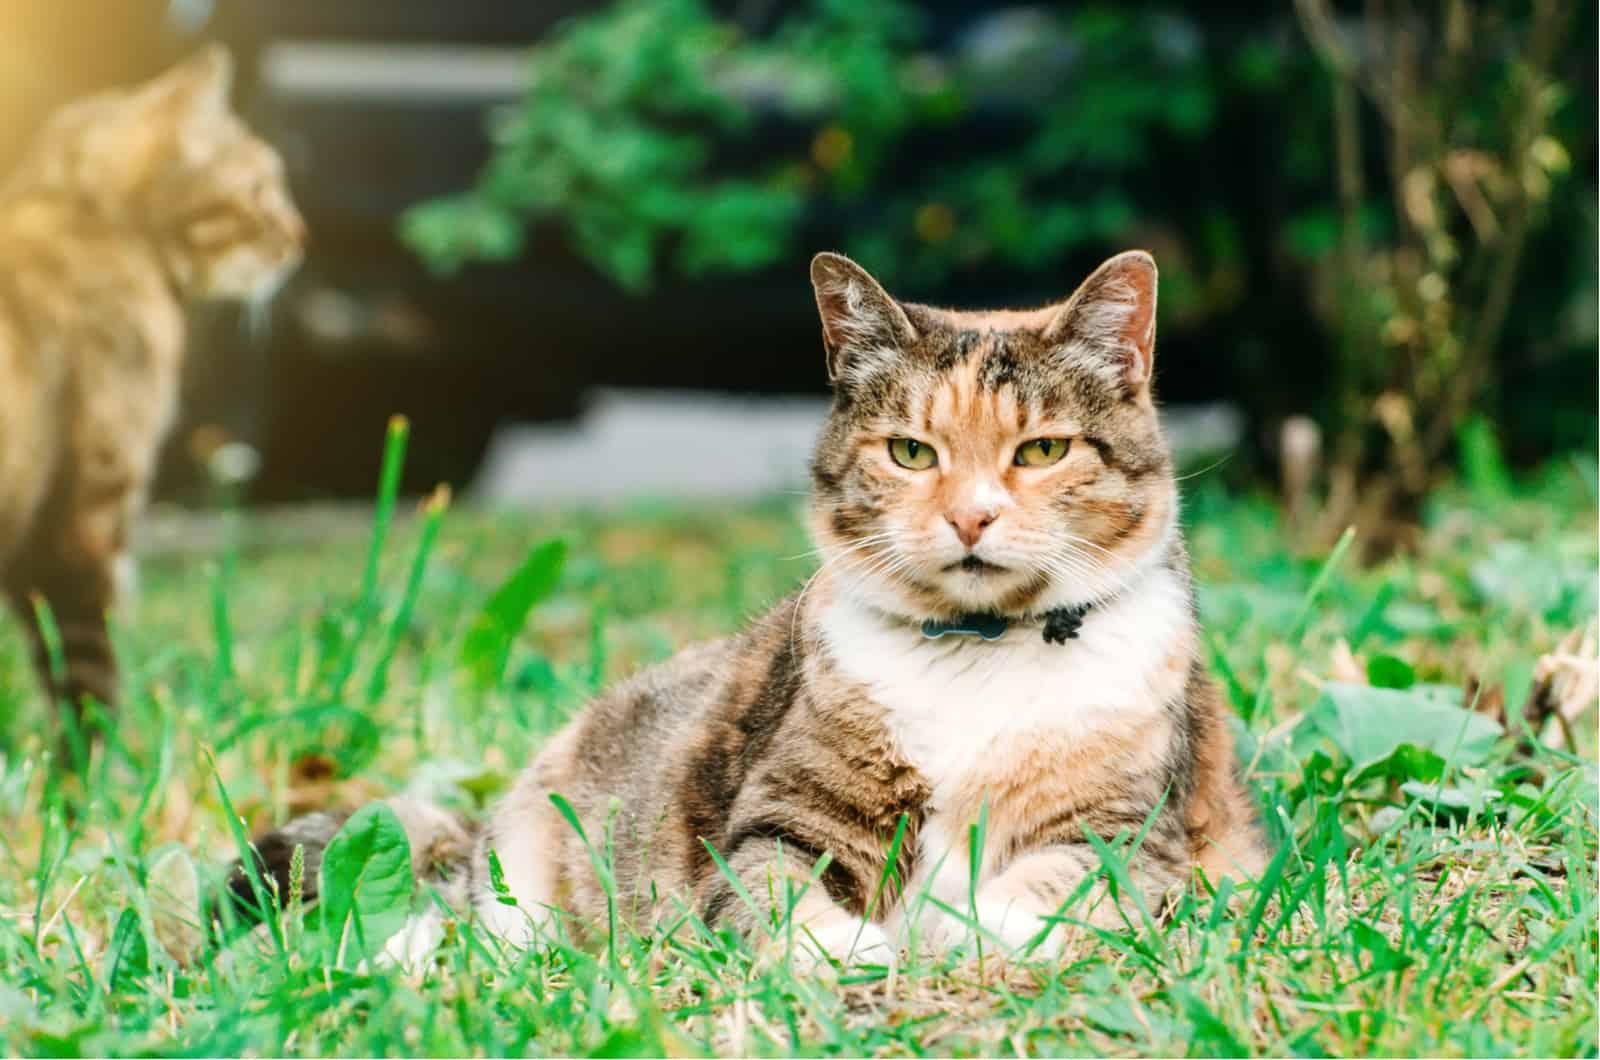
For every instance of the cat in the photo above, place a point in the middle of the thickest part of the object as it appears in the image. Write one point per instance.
(127, 206)
(1002, 630)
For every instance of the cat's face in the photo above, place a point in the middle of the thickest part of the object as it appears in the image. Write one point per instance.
(1008, 462)
(233, 229)
(169, 160)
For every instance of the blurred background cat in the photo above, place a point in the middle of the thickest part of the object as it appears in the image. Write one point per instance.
(128, 206)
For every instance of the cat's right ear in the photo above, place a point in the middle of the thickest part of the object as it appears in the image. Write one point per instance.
(861, 324)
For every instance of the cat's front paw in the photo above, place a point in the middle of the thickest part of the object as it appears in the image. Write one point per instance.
(1002, 925)
(938, 930)
(1014, 926)
(846, 941)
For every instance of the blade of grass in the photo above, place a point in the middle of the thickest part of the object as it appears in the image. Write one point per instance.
(366, 606)
(433, 512)
(222, 676)
(394, 459)
(602, 871)
(266, 902)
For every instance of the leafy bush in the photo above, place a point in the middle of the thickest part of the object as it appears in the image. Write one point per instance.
(622, 137)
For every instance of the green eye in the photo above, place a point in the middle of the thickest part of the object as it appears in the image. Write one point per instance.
(1042, 452)
(912, 454)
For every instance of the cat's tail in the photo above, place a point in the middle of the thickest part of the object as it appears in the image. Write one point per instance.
(441, 848)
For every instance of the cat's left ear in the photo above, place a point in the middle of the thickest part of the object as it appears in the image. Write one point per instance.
(1109, 323)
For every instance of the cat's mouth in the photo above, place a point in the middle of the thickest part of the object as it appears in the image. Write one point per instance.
(975, 565)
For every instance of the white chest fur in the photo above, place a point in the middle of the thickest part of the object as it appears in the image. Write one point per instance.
(947, 701)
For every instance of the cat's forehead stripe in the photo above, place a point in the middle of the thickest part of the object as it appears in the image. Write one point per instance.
(999, 363)
(1002, 351)
(987, 386)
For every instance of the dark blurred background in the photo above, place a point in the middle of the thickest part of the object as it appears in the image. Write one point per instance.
(512, 203)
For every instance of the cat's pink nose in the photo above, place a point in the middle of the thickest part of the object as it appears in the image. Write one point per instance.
(970, 523)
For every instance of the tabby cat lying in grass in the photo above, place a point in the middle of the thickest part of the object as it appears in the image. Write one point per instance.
(1002, 631)
(127, 207)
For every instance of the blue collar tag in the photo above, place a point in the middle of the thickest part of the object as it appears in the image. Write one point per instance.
(987, 626)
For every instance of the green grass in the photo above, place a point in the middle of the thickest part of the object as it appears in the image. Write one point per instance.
(1433, 898)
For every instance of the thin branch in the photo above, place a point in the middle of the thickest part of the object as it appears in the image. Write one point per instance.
(1478, 350)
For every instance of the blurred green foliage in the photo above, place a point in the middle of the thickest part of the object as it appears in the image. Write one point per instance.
(615, 135)
(620, 137)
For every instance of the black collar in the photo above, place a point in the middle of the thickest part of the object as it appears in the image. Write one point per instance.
(1060, 625)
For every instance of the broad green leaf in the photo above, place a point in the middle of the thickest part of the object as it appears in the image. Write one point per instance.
(366, 883)
(488, 640)
(1369, 724)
